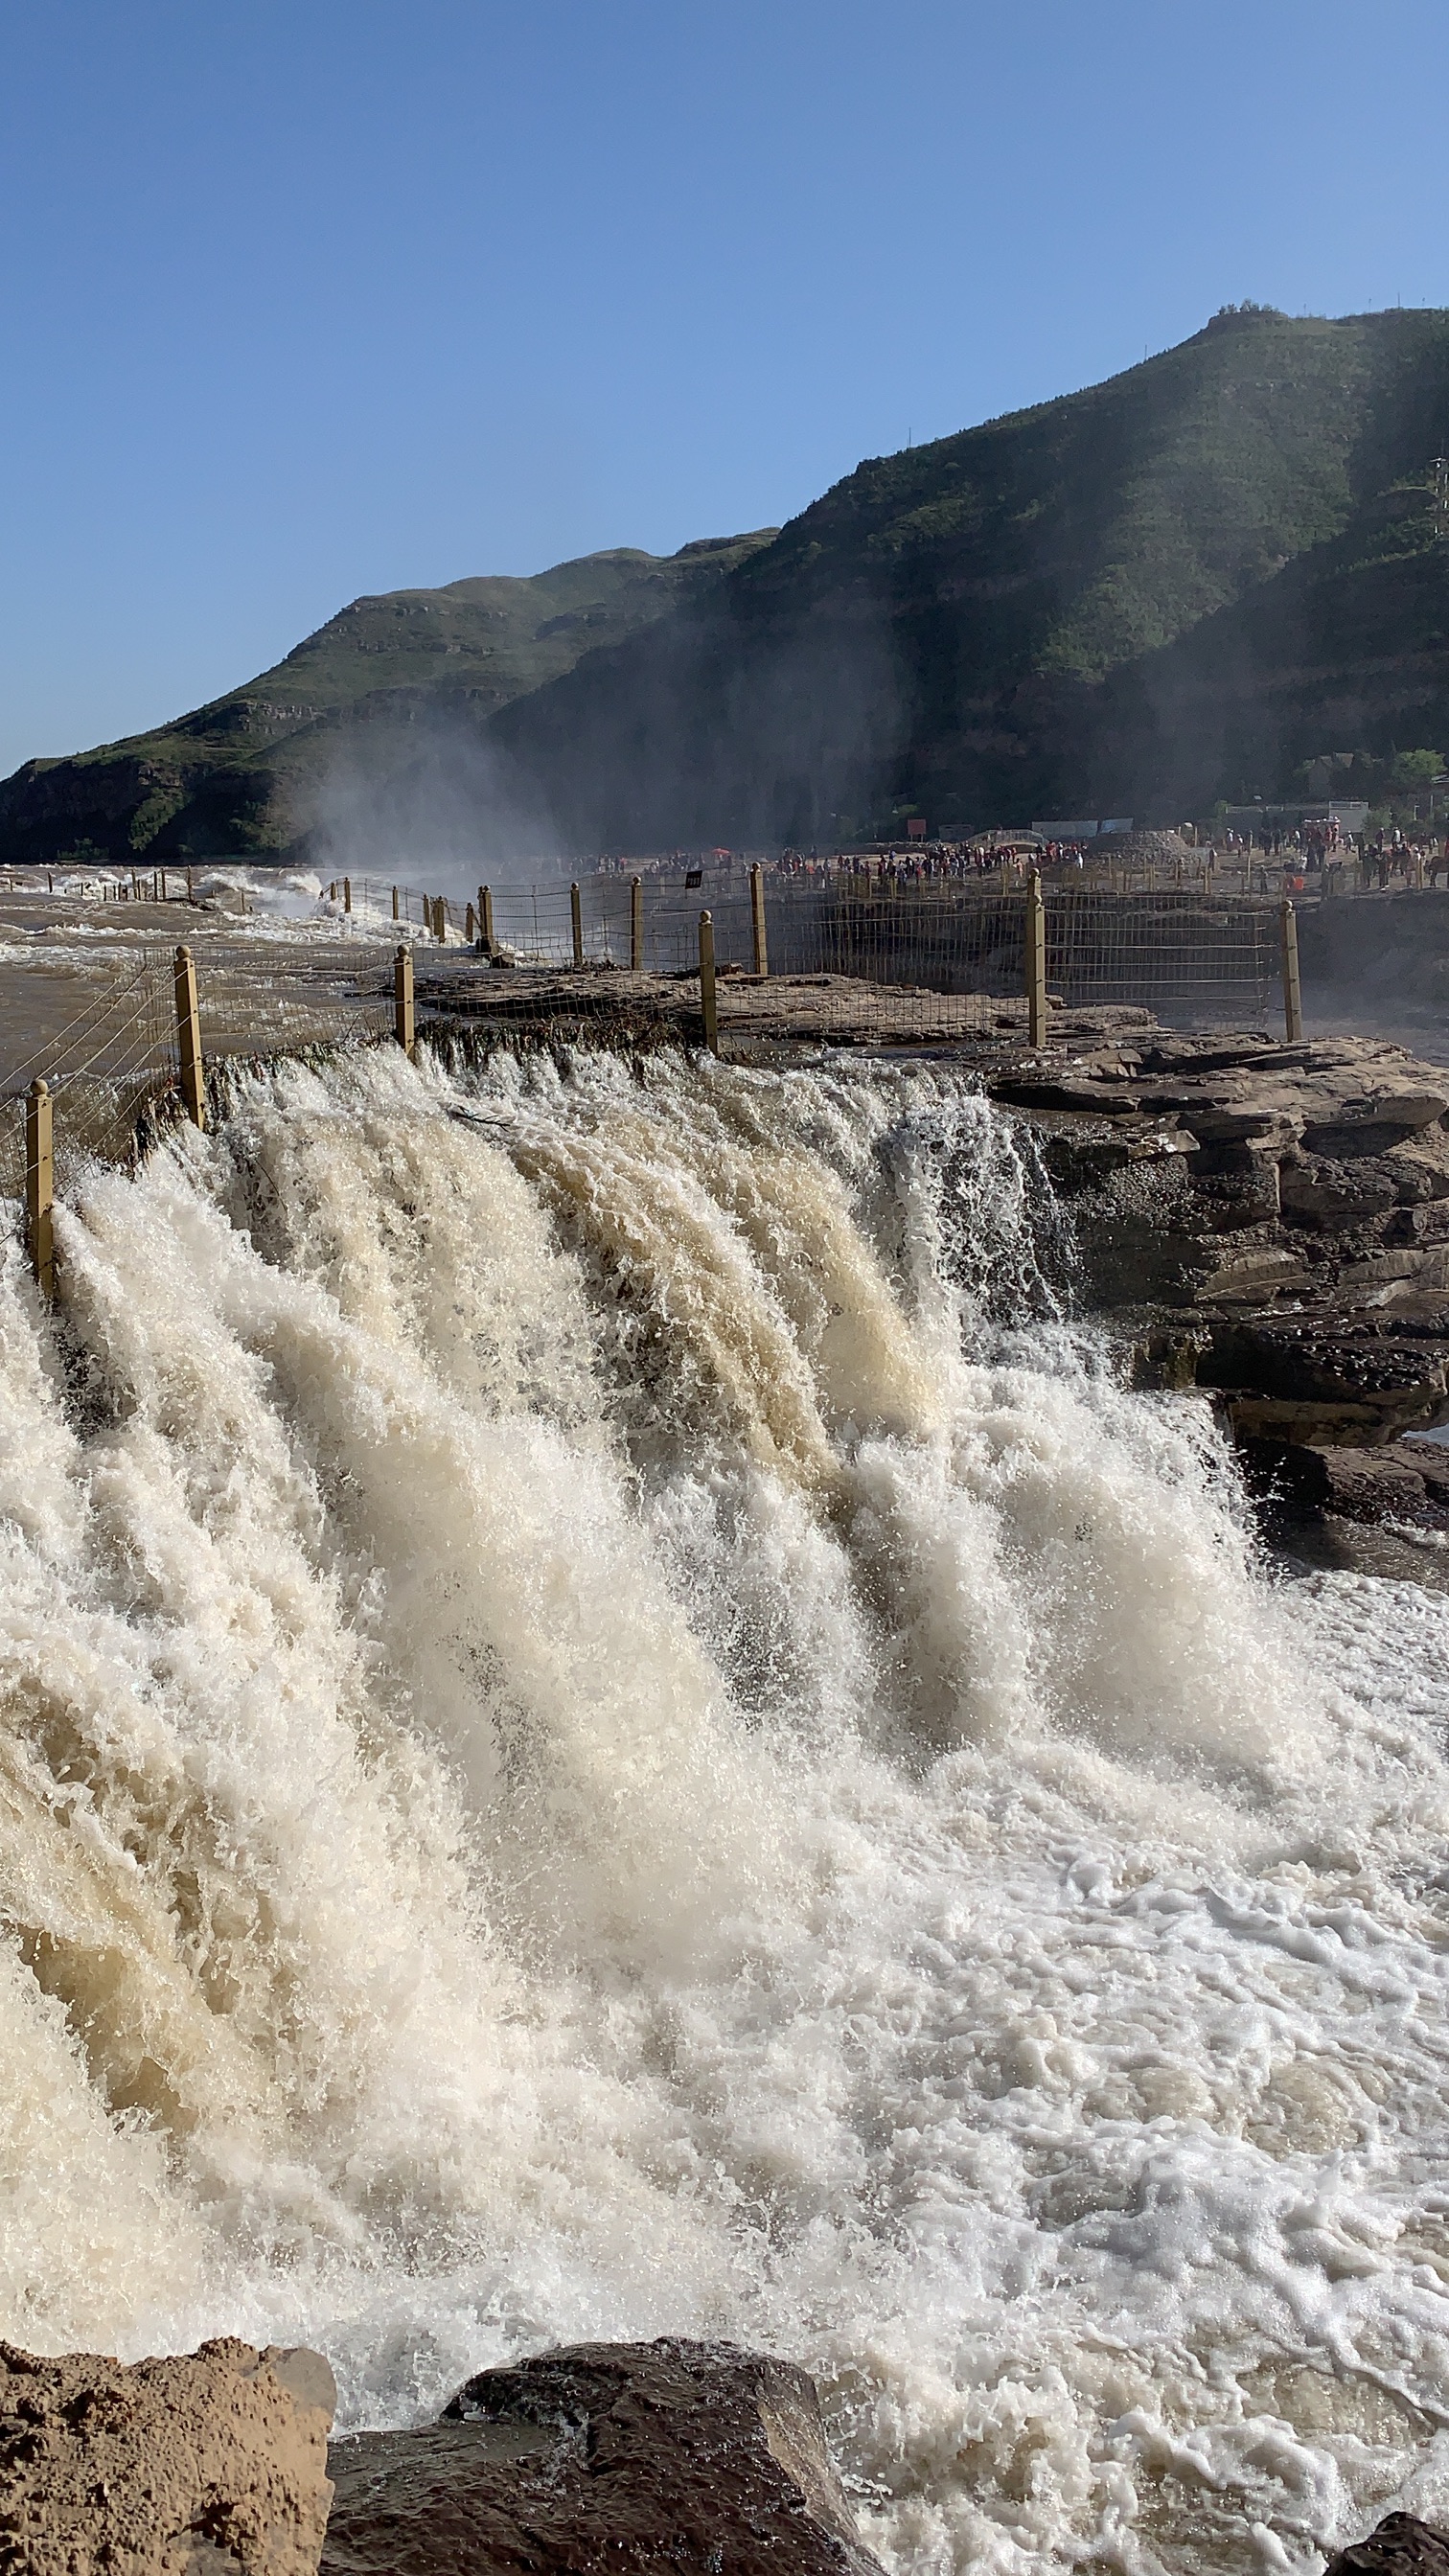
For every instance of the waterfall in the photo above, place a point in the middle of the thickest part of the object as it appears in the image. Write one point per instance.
(614, 1723)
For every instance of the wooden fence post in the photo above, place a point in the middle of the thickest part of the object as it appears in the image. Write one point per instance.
(1036, 974)
(757, 920)
(1292, 995)
(40, 1186)
(485, 914)
(188, 1032)
(576, 916)
(471, 926)
(636, 925)
(440, 920)
(394, 903)
(190, 896)
(403, 1024)
(347, 894)
(707, 998)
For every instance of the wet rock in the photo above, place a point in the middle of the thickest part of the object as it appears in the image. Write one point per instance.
(1095, 1096)
(210, 2464)
(1308, 1384)
(1421, 1165)
(1406, 1481)
(1373, 1127)
(1327, 1194)
(1239, 1123)
(1237, 1186)
(1253, 1272)
(694, 2457)
(1399, 2546)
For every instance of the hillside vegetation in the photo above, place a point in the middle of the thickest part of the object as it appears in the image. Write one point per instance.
(245, 773)
(1179, 585)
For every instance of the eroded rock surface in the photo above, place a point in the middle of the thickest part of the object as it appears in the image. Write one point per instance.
(1293, 1199)
(696, 2457)
(213, 2463)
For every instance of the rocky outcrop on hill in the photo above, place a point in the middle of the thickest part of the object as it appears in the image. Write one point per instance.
(620, 2457)
(209, 2464)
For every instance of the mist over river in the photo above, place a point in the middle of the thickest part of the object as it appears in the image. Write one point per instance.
(613, 1725)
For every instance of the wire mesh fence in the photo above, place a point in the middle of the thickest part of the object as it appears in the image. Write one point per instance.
(905, 963)
(1185, 956)
(265, 998)
(104, 1063)
(103, 1035)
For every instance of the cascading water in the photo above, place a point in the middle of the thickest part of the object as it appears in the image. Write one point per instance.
(611, 1727)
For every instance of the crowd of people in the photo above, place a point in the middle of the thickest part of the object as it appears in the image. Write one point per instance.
(1317, 853)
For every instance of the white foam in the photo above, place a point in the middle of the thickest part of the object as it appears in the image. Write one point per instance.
(603, 1738)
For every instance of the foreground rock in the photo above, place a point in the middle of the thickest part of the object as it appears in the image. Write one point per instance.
(1400, 2546)
(696, 2457)
(211, 2464)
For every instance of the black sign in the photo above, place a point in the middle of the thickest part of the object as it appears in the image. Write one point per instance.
(694, 877)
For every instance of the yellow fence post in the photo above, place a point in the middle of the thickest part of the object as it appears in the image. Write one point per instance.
(707, 999)
(40, 1186)
(485, 911)
(757, 920)
(636, 925)
(188, 1032)
(1036, 973)
(1292, 995)
(403, 1025)
(394, 903)
(576, 916)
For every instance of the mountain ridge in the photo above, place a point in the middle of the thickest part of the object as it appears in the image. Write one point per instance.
(1176, 585)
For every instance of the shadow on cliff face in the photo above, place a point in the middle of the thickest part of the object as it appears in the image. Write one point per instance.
(721, 724)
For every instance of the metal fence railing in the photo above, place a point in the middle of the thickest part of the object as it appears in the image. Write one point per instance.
(104, 1055)
(904, 962)
(103, 1038)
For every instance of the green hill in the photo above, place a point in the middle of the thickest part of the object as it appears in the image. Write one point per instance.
(1175, 585)
(1180, 584)
(244, 773)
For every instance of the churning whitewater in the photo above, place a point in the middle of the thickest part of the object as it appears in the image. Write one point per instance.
(612, 1726)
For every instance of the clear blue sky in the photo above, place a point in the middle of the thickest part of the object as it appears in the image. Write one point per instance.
(303, 298)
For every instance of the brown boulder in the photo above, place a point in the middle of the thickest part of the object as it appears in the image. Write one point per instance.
(1399, 2546)
(622, 2457)
(213, 2463)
